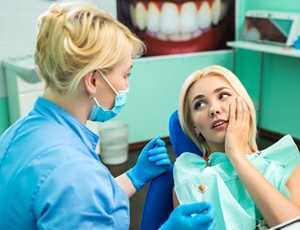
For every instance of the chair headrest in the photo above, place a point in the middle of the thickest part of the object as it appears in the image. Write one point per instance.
(179, 140)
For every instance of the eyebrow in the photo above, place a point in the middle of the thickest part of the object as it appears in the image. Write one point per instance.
(215, 91)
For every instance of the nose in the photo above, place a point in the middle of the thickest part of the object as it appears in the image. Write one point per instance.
(127, 84)
(214, 110)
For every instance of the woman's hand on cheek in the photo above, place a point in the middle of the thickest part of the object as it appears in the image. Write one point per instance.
(237, 135)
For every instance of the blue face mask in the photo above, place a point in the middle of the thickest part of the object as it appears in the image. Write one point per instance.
(102, 115)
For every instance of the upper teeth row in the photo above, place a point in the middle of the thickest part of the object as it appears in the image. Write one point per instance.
(219, 123)
(171, 23)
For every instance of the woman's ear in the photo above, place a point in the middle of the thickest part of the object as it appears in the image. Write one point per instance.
(89, 81)
(193, 127)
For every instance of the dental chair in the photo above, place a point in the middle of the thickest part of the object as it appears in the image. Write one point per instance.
(159, 202)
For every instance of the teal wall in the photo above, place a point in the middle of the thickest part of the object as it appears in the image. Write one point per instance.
(281, 75)
(4, 120)
(154, 90)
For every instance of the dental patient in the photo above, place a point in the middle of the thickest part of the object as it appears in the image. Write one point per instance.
(250, 189)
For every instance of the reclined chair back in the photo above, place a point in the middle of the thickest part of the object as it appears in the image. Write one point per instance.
(159, 202)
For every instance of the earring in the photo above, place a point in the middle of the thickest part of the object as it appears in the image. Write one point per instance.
(199, 136)
(92, 95)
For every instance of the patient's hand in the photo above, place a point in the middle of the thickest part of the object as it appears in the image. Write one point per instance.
(237, 134)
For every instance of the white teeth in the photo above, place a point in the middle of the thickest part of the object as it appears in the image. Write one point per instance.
(162, 36)
(169, 18)
(216, 12)
(140, 15)
(178, 22)
(204, 16)
(253, 33)
(132, 14)
(188, 18)
(175, 37)
(186, 36)
(225, 6)
(219, 123)
(153, 20)
(197, 33)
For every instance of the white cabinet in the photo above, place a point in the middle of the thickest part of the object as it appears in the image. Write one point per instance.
(23, 88)
(23, 85)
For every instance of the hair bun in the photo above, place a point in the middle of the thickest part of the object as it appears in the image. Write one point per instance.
(56, 9)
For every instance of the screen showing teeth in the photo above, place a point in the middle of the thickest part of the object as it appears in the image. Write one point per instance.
(175, 22)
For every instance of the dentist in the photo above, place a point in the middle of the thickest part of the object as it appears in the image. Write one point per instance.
(50, 175)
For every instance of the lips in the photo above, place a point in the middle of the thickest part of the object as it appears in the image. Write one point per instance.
(172, 27)
(218, 123)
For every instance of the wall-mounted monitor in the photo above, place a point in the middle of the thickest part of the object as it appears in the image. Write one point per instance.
(280, 28)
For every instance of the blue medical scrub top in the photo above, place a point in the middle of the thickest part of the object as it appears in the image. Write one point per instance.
(51, 177)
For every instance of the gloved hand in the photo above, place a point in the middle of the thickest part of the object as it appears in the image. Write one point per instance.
(191, 216)
(153, 161)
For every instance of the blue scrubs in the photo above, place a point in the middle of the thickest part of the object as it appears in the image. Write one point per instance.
(51, 177)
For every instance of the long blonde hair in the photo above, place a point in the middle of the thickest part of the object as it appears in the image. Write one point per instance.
(77, 37)
(184, 111)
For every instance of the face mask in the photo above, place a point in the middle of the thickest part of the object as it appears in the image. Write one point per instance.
(102, 115)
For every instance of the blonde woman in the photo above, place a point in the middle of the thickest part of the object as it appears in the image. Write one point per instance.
(50, 175)
(249, 188)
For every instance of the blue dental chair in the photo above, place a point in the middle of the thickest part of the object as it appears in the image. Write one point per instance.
(159, 202)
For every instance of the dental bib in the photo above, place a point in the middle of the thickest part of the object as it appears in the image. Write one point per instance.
(235, 208)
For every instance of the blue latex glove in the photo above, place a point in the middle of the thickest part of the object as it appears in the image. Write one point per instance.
(191, 216)
(153, 161)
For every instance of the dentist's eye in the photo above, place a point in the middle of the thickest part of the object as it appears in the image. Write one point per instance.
(127, 76)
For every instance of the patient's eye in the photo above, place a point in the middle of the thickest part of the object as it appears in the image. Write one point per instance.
(199, 105)
(224, 95)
